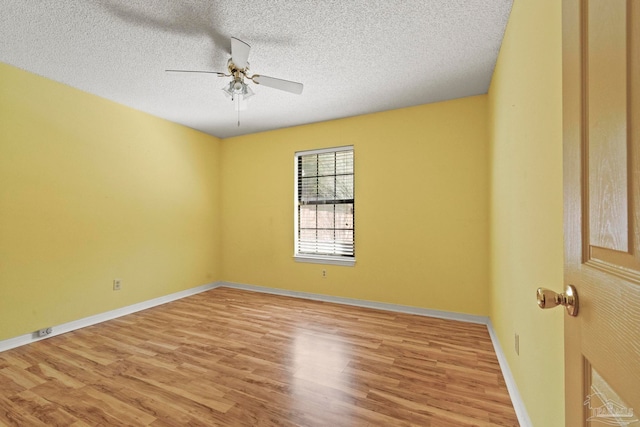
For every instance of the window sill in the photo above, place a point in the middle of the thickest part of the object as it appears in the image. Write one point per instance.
(346, 262)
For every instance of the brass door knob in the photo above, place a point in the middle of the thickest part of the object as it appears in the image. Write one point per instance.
(549, 299)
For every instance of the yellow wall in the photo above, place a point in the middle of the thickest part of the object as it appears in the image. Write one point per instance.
(91, 191)
(421, 207)
(458, 205)
(526, 203)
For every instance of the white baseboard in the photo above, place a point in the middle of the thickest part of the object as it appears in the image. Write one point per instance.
(102, 317)
(470, 318)
(516, 399)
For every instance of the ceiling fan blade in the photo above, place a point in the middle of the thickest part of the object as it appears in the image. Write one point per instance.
(196, 71)
(239, 53)
(285, 85)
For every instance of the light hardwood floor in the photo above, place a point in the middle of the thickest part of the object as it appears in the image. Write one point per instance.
(237, 358)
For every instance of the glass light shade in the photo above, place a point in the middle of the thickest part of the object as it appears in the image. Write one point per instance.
(237, 89)
(228, 90)
(248, 93)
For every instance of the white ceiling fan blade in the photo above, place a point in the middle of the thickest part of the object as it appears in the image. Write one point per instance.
(196, 71)
(239, 52)
(285, 85)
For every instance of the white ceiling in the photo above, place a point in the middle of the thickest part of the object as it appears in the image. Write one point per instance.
(353, 56)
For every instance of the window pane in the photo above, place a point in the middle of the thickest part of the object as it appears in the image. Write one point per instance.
(325, 216)
(344, 242)
(309, 189)
(325, 236)
(326, 164)
(344, 216)
(309, 166)
(307, 242)
(307, 216)
(326, 188)
(344, 162)
(344, 187)
(344, 236)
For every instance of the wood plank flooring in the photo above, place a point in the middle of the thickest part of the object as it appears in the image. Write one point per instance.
(236, 358)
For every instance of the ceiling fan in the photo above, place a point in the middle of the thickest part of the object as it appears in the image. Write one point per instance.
(238, 66)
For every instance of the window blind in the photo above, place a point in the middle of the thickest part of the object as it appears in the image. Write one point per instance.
(325, 203)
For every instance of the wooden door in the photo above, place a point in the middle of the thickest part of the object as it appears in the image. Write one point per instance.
(601, 96)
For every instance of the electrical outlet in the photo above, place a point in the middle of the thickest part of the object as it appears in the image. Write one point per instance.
(517, 343)
(117, 284)
(44, 332)
(324, 274)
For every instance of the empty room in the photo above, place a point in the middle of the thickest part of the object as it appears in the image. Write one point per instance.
(272, 213)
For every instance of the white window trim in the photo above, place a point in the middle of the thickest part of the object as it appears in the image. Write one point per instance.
(309, 258)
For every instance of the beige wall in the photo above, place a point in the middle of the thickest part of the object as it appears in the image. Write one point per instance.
(91, 191)
(421, 188)
(526, 203)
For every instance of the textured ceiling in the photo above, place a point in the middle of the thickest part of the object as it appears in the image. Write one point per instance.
(353, 56)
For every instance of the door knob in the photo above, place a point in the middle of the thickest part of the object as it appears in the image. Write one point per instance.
(549, 299)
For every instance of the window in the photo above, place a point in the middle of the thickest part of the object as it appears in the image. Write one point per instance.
(324, 206)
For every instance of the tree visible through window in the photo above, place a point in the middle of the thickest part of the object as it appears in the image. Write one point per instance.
(325, 203)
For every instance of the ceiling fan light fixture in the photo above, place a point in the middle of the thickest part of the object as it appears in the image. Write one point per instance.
(237, 89)
(248, 93)
(228, 90)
